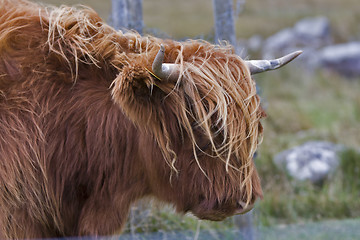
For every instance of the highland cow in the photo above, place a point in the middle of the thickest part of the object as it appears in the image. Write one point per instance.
(93, 119)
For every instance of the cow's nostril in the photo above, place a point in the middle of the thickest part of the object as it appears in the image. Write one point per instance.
(243, 207)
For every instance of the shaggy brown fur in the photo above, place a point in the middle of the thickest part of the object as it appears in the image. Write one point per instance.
(86, 130)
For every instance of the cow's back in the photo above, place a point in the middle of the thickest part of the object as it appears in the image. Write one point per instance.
(40, 113)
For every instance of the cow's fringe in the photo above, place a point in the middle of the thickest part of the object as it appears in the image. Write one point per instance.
(225, 104)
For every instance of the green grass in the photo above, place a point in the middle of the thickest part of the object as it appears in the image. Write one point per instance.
(151, 216)
(350, 172)
(309, 107)
(328, 230)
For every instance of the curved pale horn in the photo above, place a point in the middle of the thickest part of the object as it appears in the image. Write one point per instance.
(165, 71)
(258, 66)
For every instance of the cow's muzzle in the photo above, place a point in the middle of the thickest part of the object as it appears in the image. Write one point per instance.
(243, 208)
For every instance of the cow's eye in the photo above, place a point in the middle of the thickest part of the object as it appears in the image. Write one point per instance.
(202, 141)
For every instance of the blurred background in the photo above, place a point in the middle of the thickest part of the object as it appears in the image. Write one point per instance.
(309, 160)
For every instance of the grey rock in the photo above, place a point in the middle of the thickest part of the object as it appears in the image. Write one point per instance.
(313, 36)
(314, 160)
(343, 58)
(278, 43)
(313, 31)
(308, 34)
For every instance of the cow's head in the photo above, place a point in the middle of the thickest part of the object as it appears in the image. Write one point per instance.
(199, 123)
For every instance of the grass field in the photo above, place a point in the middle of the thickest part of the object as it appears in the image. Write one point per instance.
(300, 107)
(192, 18)
(327, 230)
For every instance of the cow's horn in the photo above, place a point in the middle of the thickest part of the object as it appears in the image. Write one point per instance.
(165, 71)
(258, 66)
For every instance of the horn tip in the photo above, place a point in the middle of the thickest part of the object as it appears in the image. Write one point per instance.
(288, 58)
(297, 53)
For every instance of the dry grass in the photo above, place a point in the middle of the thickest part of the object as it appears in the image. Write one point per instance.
(189, 19)
(303, 106)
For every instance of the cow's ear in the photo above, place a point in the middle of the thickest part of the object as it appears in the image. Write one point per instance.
(136, 90)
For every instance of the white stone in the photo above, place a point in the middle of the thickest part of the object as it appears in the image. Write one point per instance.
(313, 161)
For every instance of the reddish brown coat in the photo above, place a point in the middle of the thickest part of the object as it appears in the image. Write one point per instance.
(85, 130)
